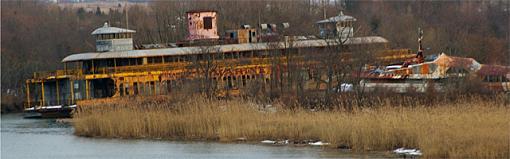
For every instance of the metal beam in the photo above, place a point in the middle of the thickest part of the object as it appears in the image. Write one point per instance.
(155, 83)
(28, 93)
(86, 89)
(71, 83)
(115, 65)
(42, 95)
(58, 93)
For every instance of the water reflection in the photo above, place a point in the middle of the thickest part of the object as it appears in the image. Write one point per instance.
(45, 138)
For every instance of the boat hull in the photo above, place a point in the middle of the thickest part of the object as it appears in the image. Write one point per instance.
(50, 112)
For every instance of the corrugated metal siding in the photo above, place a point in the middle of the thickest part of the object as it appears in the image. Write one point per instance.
(217, 48)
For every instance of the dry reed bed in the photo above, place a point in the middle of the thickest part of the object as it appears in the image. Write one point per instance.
(473, 128)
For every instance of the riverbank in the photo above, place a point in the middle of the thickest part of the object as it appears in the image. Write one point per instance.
(468, 128)
(55, 140)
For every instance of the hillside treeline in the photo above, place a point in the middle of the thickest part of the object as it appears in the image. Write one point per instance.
(37, 35)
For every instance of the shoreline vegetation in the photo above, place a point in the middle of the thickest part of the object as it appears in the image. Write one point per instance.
(468, 127)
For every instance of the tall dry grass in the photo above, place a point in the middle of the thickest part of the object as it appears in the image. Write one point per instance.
(470, 128)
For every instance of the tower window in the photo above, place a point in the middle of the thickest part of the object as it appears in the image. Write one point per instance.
(207, 22)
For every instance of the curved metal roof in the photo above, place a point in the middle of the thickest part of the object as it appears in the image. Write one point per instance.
(106, 29)
(340, 18)
(200, 10)
(219, 48)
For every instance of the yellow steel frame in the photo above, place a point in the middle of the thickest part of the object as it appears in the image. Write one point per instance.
(58, 93)
(42, 95)
(87, 89)
(142, 74)
(28, 94)
(71, 83)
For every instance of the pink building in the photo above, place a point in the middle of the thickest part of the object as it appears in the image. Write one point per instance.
(202, 25)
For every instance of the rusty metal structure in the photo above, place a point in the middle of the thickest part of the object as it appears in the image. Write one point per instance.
(420, 74)
(202, 25)
(442, 67)
(116, 68)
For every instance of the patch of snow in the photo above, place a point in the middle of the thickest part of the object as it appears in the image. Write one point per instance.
(318, 143)
(268, 142)
(410, 152)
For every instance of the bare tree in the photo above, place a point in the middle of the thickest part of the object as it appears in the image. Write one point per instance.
(331, 62)
(205, 68)
(363, 55)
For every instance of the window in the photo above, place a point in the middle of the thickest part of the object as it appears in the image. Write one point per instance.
(154, 60)
(169, 59)
(228, 56)
(495, 78)
(199, 57)
(207, 22)
(245, 54)
(218, 56)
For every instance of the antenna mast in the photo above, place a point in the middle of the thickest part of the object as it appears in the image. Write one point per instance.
(420, 37)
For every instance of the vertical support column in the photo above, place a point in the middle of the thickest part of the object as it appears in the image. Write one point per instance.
(65, 68)
(28, 94)
(154, 91)
(87, 89)
(114, 65)
(58, 92)
(132, 88)
(81, 67)
(117, 87)
(93, 67)
(143, 84)
(144, 61)
(42, 94)
(138, 85)
(71, 83)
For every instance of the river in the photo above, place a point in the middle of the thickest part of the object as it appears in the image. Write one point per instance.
(45, 138)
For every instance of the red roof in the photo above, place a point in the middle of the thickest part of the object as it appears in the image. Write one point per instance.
(494, 70)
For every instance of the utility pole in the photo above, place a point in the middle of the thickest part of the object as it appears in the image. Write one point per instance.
(324, 8)
(127, 20)
(420, 37)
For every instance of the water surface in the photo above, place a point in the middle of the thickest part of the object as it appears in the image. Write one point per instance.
(45, 138)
